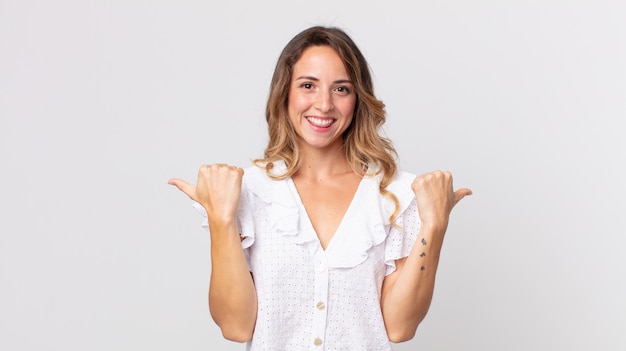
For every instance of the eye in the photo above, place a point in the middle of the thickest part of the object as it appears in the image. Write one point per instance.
(343, 90)
(306, 85)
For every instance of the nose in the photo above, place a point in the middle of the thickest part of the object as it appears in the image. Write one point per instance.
(325, 101)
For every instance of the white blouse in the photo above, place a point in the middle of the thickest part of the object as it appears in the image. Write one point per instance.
(315, 299)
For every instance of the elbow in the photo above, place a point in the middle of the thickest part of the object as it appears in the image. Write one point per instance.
(401, 334)
(401, 337)
(236, 330)
(236, 334)
(237, 326)
(403, 329)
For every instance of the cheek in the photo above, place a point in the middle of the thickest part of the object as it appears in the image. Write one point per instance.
(347, 107)
(297, 103)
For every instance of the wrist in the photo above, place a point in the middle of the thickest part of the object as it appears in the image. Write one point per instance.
(433, 228)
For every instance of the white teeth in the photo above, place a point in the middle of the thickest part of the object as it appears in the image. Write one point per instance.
(319, 122)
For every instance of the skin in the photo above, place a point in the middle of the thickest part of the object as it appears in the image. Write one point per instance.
(232, 295)
(408, 291)
(321, 93)
(321, 106)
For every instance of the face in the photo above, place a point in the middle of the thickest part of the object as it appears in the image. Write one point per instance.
(321, 98)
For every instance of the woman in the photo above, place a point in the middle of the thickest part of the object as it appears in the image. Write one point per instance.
(320, 245)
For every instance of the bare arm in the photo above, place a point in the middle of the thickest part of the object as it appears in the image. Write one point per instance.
(408, 291)
(232, 295)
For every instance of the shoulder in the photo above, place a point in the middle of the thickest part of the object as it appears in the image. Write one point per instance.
(401, 180)
(256, 181)
(400, 186)
(258, 174)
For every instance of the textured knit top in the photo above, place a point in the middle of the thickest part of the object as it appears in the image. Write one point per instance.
(315, 299)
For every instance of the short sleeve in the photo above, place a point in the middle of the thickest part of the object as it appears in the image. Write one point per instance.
(403, 234)
(245, 220)
(205, 221)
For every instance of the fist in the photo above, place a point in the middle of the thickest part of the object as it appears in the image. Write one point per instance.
(436, 197)
(217, 189)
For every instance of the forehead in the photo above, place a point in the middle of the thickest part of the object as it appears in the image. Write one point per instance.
(320, 60)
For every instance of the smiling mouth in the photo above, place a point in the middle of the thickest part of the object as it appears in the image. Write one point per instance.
(320, 122)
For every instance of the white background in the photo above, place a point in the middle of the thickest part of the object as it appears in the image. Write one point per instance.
(102, 101)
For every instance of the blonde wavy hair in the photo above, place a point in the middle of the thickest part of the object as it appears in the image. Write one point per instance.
(363, 144)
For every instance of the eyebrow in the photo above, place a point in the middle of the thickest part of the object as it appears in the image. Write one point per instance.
(340, 81)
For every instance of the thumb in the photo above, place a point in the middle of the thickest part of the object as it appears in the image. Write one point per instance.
(183, 186)
(461, 193)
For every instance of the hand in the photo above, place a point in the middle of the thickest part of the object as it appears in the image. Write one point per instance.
(218, 190)
(436, 197)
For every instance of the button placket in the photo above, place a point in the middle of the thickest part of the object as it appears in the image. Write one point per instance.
(319, 300)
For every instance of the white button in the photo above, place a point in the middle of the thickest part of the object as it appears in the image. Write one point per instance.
(317, 342)
(320, 305)
(321, 267)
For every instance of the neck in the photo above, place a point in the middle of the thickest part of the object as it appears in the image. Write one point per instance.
(323, 163)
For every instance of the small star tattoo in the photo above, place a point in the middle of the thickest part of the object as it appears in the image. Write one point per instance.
(422, 268)
(423, 241)
(423, 254)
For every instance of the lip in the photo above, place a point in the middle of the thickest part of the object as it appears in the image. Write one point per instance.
(320, 123)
